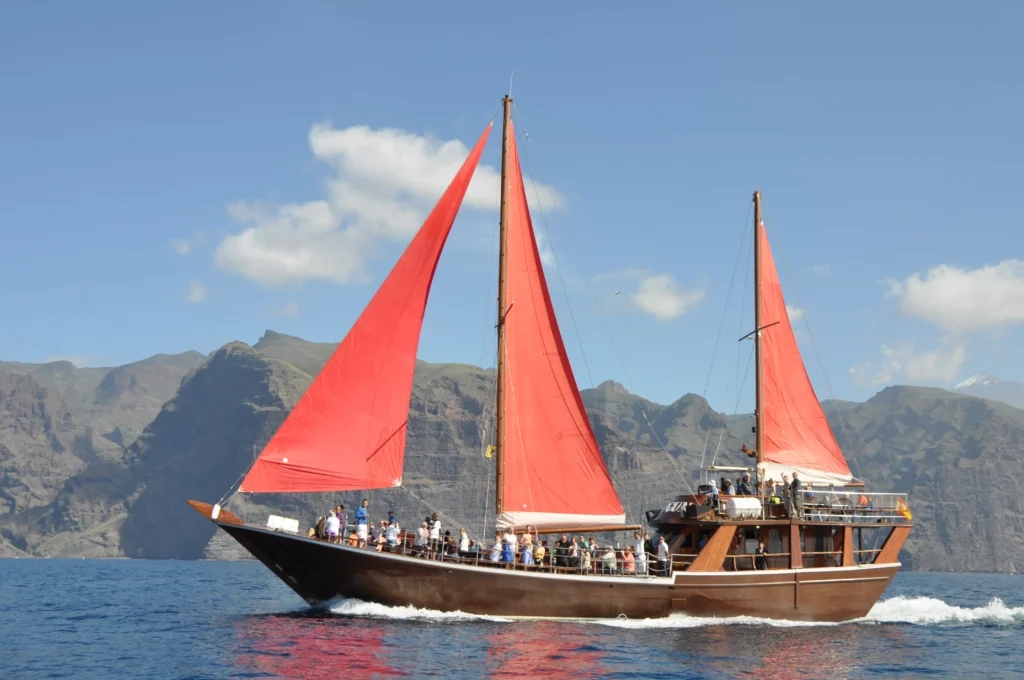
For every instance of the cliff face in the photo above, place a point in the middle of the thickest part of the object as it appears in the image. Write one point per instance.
(956, 456)
(952, 453)
(62, 434)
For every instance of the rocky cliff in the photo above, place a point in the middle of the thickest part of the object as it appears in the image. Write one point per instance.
(951, 452)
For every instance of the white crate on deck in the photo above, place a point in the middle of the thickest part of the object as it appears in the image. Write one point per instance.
(278, 523)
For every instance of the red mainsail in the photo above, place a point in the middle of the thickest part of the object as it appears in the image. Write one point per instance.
(797, 435)
(348, 430)
(554, 474)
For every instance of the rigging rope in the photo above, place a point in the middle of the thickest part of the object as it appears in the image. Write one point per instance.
(547, 232)
(601, 315)
(814, 344)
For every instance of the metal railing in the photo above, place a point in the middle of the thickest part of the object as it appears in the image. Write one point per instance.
(553, 561)
(829, 505)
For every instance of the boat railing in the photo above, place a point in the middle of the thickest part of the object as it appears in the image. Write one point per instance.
(830, 505)
(857, 507)
(550, 564)
(751, 561)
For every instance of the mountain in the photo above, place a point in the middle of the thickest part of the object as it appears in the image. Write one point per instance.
(60, 425)
(951, 452)
(988, 386)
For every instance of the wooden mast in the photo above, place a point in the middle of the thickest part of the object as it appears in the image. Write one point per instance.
(758, 382)
(499, 457)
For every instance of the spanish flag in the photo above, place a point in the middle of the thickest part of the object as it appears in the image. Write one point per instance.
(902, 508)
(489, 453)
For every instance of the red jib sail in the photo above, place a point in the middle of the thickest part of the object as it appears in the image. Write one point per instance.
(797, 436)
(554, 474)
(348, 429)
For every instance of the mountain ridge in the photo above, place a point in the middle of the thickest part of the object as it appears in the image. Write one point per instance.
(948, 450)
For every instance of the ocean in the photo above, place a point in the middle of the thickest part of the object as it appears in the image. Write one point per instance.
(167, 619)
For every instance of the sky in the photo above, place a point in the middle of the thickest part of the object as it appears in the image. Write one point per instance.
(176, 176)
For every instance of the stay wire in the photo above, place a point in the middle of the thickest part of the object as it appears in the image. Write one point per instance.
(601, 315)
(558, 269)
(810, 334)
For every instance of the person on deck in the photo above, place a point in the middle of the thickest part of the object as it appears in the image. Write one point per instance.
(608, 565)
(761, 561)
(798, 498)
(508, 549)
(435, 535)
(640, 555)
(496, 549)
(745, 488)
(391, 534)
(527, 537)
(541, 553)
(362, 529)
(340, 512)
(628, 561)
(463, 542)
(391, 517)
(727, 489)
(526, 558)
(332, 527)
(787, 495)
(421, 540)
(664, 563)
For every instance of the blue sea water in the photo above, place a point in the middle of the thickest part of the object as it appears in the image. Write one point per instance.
(165, 619)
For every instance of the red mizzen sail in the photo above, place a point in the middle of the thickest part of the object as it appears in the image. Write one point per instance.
(797, 435)
(348, 430)
(554, 472)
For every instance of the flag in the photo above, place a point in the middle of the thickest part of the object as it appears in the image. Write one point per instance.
(489, 453)
(902, 509)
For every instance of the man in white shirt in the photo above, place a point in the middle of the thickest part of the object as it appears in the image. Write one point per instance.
(664, 564)
(638, 551)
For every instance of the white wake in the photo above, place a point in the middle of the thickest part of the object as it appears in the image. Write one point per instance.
(354, 607)
(895, 610)
(909, 610)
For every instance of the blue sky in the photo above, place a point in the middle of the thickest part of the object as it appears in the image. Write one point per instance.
(139, 140)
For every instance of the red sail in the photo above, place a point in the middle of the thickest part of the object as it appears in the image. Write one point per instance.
(554, 472)
(797, 435)
(348, 429)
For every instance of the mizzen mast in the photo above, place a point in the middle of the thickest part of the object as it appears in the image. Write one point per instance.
(499, 452)
(758, 381)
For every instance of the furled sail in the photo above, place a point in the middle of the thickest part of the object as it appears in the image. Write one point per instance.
(797, 436)
(348, 430)
(554, 474)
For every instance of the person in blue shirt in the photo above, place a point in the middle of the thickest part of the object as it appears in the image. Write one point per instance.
(362, 530)
(391, 517)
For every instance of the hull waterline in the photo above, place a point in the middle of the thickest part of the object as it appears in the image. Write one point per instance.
(320, 571)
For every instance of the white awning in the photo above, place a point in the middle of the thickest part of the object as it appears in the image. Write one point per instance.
(808, 477)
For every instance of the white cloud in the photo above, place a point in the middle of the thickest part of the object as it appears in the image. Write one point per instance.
(196, 292)
(290, 308)
(940, 365)
(795, 313)
(661, 297)
(964, 300)
(383, 185)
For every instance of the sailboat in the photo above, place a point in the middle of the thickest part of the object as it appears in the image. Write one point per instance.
(348, 432)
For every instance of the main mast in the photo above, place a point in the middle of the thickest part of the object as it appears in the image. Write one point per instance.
(758, 382)
(499, 457)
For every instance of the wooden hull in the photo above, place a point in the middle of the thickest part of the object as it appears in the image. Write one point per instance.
(320, 571)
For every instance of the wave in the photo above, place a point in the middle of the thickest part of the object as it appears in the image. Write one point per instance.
(894, 610)
(359, 608)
